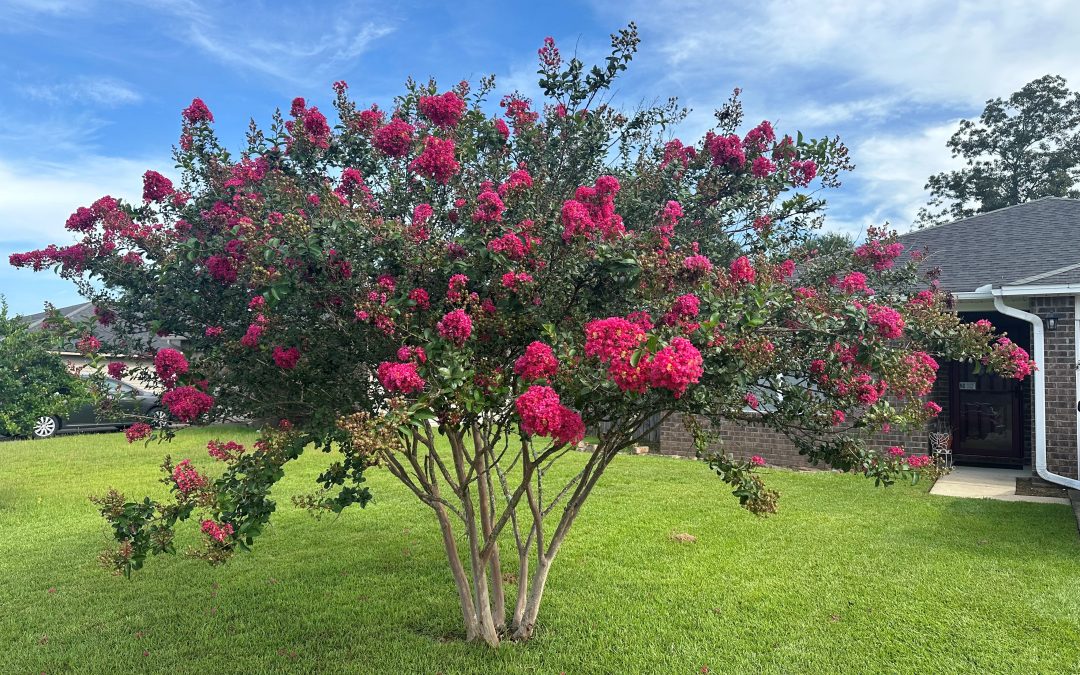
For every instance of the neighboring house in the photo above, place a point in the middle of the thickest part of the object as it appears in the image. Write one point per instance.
(1018, 267)
(133, 356)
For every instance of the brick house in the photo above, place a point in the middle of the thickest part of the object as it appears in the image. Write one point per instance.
(1018, 267)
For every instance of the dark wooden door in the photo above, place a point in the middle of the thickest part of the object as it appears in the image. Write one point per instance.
(986, 418)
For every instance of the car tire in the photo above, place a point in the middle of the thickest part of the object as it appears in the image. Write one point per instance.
(46, 426)
(159, 418)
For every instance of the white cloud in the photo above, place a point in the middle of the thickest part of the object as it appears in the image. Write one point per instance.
(37, 198)
(957, 53)
(103, 91)
(894, 169)
(287, 43)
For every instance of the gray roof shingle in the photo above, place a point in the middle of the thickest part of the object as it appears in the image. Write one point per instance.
(1037, 242)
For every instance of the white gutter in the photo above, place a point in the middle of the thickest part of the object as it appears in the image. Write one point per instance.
(1040, 386)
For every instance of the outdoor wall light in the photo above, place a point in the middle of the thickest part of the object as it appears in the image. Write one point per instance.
(1051, 322)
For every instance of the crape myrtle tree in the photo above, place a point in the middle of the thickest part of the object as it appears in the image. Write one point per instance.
(458, 299)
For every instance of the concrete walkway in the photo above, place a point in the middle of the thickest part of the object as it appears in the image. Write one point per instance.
(984, 483)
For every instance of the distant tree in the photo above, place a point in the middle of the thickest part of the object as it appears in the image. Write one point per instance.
(832, 242)
(1021, 148)
(34, 382)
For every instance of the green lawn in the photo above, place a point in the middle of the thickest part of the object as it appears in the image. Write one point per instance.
(846, 577)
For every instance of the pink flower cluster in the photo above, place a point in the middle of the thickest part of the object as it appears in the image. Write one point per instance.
(1018, 363)
(116, 369)
(519, 180)
(224, 452)
(919, 461)
(197, 112)
(887, 321)
(187, 479)
(218, 533)
(515, 280)
(592, 210)
(286, 359)
(138, 431)
(612, 338)
(675, 367)
(538, 362)
(802, 172)
(725, 150)
(169, 364)
(156, 187)
(437, 160)
(757, 460)
(187, 403)
(420, 297)
(882, 256)
(854, 282)
(697, 265)
(543, 414)
(400, 377)
(444, 110)
(742, 271)
(455, 326)
(917, 375)
(252, 335)
(489, 207)
(88, 344)
(394, 138)
(675, 151)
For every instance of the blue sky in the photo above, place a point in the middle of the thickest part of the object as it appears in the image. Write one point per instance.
(90, 92)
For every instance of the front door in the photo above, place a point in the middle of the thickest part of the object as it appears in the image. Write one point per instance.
(986, 418)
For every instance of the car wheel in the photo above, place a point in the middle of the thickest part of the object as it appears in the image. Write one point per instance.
(46, 426)
(159, 418)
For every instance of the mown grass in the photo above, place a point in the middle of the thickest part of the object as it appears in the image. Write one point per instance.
(846, 578)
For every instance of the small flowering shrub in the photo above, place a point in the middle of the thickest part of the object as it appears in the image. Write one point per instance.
(511, 283)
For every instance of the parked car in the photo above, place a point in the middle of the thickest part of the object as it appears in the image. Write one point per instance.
(132, 405)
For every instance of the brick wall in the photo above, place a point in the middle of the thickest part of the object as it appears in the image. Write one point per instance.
(1059, 369)
(742, 440)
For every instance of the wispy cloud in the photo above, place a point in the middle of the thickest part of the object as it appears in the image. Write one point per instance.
(289, 44)
(104, 91)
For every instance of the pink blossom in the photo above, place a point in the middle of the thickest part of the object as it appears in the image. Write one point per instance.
(436, 161)
(444, 110)
(489, 208)
(919, 461)
(762, 167)
(187, 403)
(611, 338)
(802, 172)
(759, 138)
(592, 210)
(169, 365)
(138, 431)
(933, 408)
(725, 150)
(116, 369)
(455, 326)
(88, 344)
(502, 129)
(751, 400)
(853, 283)
(187, 479)
(420, 297)
(886, 320)
(251, 336)
(883, 256)
(895, 451)
(224, 452)
(676, 366)
(400, 377)
(213, 331)
(697, 265)
(197, 112)
(757, 460)
(538, 362)
(742, 271)
(286, 359)
(218, 533)
(838, 417)
(395, 138)
(542, 414)
(156, 187)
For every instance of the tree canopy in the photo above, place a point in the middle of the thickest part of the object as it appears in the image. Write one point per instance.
(1021, 148)
(461, 299)
(34, 380)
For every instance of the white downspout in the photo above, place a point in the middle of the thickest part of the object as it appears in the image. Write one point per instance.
(1039, 352)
